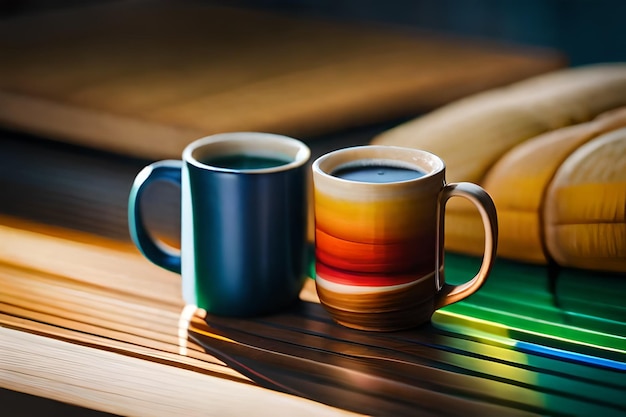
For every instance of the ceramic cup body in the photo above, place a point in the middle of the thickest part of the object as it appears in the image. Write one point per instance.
(379, 245)
(243, 221)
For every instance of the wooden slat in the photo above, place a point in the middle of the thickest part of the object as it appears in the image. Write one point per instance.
(423, 358)
(71, 299)
(126, 76)
(126, 385)
(85, 298)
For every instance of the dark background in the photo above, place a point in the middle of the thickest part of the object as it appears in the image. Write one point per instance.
(586, 31)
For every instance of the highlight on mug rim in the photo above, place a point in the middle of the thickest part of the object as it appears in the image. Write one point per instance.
(269, 145)
(393, 156)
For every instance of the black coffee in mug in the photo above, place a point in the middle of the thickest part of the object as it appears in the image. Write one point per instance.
(244, 161)
(377, 173)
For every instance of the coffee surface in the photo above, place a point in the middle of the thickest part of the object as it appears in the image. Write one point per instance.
(244, 161)
(377, 173)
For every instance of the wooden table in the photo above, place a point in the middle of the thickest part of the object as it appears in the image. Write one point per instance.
(92, 323)
(87, 320)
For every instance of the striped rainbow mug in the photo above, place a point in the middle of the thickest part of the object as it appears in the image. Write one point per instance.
(379, 250)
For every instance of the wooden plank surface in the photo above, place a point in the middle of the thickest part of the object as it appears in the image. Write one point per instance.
(145, 78)
(87, 320)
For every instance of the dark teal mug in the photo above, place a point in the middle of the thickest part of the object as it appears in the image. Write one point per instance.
(243, 222)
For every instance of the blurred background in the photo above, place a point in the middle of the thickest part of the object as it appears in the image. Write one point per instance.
(586, 31)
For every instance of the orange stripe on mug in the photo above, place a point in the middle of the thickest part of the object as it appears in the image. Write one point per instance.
(361, 279)
(391, 257)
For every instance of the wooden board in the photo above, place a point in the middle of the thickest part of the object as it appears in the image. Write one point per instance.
(87, 320)
(146, 78)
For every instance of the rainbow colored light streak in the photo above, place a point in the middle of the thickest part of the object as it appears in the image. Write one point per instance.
(499, 334)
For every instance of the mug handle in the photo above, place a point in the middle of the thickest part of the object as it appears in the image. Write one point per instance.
(157, 253)
(478, 196)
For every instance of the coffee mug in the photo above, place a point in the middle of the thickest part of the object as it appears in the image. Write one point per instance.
(379, 236)
(243, 222)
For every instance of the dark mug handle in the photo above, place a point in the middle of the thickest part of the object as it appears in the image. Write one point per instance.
(168, 170)
(452, 293)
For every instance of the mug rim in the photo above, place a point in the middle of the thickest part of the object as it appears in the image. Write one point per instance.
(439, 164)
(301, 155)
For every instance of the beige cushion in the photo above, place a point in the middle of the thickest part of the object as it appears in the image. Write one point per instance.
(517, 182)
(513, 141)
(585, 206)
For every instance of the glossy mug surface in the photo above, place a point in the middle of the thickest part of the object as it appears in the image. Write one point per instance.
(379, 218)
(243, 221)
